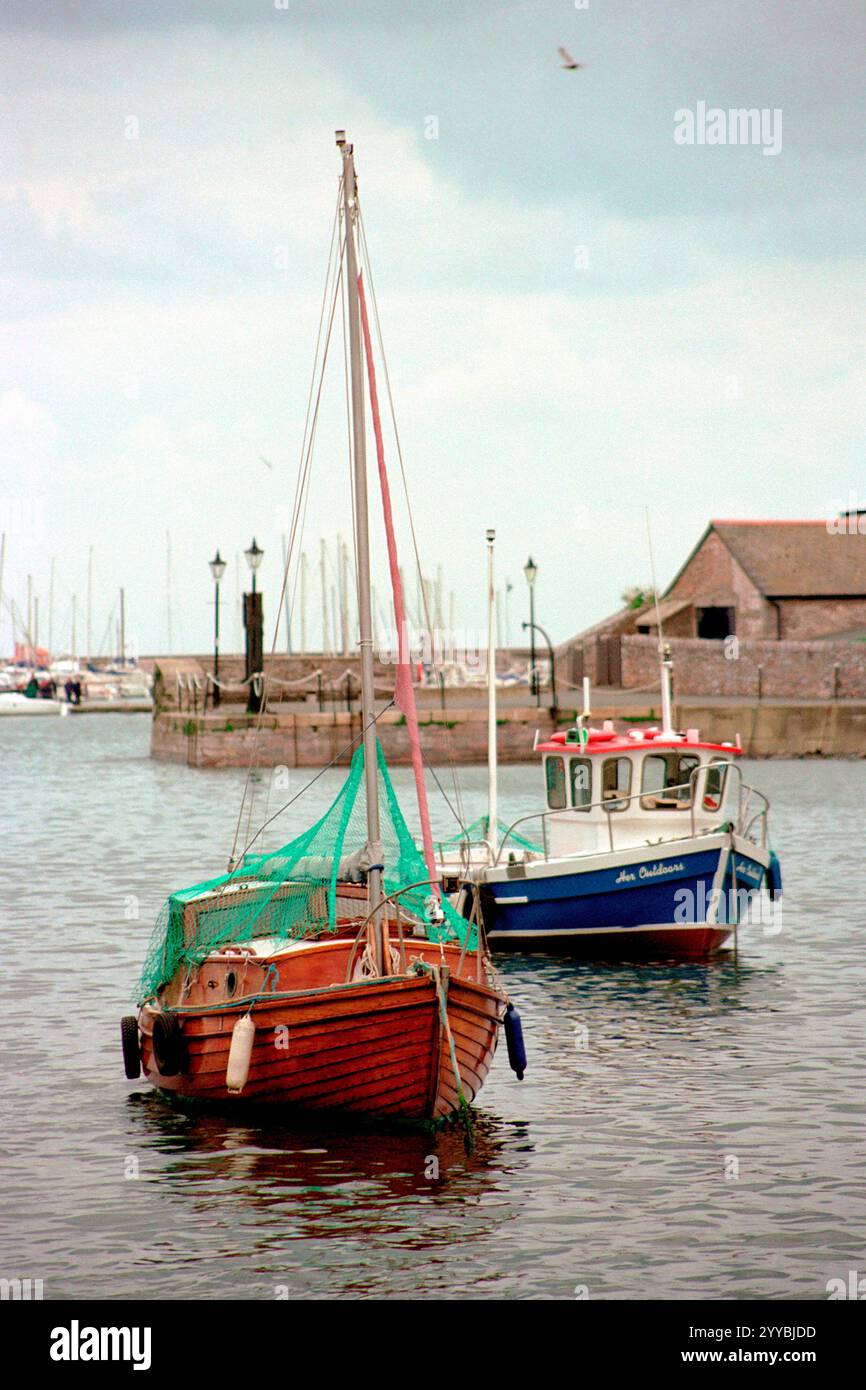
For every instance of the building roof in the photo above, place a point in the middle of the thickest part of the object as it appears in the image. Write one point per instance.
(668, 608)
(793, 559)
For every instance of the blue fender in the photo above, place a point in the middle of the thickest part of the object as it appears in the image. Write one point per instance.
(514, 1041)
(774, 876)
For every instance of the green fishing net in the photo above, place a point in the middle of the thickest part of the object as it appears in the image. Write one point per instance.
(477, 833)
(300, 889)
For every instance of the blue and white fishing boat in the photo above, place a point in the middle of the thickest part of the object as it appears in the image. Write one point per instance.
(649, 842)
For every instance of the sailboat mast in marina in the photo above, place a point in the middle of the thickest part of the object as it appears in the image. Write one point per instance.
(330, 974)
(378, 932)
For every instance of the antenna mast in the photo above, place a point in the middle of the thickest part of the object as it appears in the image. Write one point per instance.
(492, 811)
(665, 662)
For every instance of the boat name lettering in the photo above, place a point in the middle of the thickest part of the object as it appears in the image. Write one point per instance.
(649, 871)
(750, 870)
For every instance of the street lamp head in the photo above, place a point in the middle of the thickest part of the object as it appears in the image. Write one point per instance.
(491, 535)
(530, 569)
(254, 556)
(217, 567)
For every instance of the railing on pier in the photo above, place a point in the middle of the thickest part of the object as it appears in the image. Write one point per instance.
(195, 693)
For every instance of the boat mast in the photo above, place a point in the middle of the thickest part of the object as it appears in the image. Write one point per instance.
(323, 580)
(378, 929)
(492, 835)
(287, 613)
(303, 600)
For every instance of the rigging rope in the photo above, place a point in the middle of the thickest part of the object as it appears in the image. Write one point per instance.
(424, 615)
(404, 693)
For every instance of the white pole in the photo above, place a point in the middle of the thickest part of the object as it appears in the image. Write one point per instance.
(335, 620)
(664, 651)
(239, 636)
(169, 646)
(411, 617)
(667, 718)
(286, 599)
(492, 829)
(303, 600)
(51, 607)
(344, 595)
(89, 601)
(326, 638)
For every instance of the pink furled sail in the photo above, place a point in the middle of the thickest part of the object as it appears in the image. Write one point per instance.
(404, 694)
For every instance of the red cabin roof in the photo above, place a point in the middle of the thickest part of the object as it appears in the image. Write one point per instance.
(608, 741)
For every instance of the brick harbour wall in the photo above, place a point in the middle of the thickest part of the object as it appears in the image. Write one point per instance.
(778, 670)
(779, 730)
(311, 739)
(767, 728)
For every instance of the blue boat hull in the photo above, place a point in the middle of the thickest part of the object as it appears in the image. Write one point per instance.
(682, 902)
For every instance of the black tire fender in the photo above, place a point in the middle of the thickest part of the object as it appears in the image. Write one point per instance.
(169, 1044)
(131, 1048)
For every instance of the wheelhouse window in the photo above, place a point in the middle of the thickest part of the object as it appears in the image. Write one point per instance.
(665, 784)
(581, 783)
(714, 785)
(554, 771)
(615, 783)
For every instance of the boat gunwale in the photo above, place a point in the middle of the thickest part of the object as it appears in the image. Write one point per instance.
(420, 978)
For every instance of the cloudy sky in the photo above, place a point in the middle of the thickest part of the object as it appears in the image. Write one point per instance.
(582, 317)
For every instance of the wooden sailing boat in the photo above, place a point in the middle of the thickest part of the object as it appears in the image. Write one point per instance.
(283, 981)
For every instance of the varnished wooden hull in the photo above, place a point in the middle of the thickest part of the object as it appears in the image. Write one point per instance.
(375, 1047)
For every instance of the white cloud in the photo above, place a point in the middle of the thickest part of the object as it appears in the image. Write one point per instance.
(160, 349)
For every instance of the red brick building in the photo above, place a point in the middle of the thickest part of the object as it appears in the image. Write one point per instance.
(771, 580)
(787, 590)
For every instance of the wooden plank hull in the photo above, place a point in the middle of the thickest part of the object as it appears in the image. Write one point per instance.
(375, 1047)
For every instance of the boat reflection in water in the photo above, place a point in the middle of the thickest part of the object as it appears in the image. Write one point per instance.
(346, 1190)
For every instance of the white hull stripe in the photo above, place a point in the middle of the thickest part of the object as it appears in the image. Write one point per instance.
(612, 931)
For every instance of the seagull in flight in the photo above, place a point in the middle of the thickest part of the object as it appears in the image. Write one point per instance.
(568, 61)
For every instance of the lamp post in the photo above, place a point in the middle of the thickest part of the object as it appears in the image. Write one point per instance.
(530, 569)
(217, 568)
(554, 708)
(254, 559)
(253, 624)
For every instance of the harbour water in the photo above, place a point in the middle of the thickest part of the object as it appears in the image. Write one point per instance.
(683, 1130)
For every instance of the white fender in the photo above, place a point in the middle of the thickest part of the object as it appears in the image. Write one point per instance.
(240, 1052)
